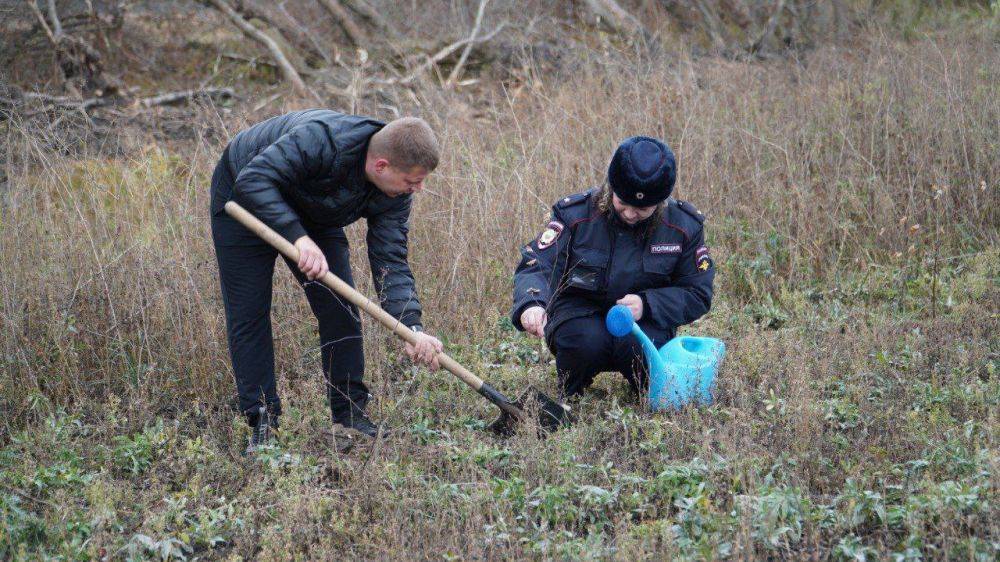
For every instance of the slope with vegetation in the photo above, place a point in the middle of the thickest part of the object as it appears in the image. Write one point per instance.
(844, 153)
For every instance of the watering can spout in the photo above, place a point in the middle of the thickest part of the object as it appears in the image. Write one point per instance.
(656, 362)
(680, 372)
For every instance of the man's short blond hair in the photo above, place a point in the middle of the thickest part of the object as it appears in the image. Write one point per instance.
(407, 142)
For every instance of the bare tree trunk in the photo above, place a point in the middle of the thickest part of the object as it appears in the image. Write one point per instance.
(287, 70)
(343, 18)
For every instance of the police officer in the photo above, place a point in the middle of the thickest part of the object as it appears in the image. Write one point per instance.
(308, 174)
(628, 243)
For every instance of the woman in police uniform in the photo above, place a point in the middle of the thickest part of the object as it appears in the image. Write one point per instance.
(628, 243)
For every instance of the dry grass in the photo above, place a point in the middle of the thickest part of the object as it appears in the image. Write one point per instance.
(855, 416)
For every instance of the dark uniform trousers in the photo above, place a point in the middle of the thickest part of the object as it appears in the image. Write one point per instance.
(583, 348)
(246, 268)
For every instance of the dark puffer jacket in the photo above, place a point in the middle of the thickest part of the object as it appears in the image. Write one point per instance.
(304, 171)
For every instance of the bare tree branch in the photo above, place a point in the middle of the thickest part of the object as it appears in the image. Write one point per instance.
(306, 34)
(443, 54)
(78, 60)
(343, 18)
(291, 31)
(54, 16)
(42, 22)
(769, 27)
(185, 95)
(712, 24)
(455, 72)
(287, 70)
(371, 16)
(264, 61)
(69, 102)
(611, 14)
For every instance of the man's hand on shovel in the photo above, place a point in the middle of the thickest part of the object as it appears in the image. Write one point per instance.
(425, 350)
(312, 262)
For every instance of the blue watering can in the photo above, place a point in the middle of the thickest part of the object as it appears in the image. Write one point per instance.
(680, 372)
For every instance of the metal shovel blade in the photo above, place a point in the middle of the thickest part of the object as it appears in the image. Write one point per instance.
(534, 404)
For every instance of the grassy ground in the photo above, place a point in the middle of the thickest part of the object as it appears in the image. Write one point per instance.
(852, 204)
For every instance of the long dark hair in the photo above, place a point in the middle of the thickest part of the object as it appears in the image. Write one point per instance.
(607, 207)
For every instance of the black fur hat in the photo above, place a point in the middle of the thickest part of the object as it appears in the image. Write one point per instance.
(643, 171)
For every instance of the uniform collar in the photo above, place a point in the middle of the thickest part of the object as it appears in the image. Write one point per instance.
(642, 225)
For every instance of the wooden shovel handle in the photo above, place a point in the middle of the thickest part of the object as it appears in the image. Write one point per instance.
(350, 293)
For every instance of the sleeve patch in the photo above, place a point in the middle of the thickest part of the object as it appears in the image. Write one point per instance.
(705, 263)
(550, 235)
(702, 260)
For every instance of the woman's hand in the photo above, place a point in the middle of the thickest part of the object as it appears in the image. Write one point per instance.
(312, 262)
(425, 350)
(634, 303)
(534, 319)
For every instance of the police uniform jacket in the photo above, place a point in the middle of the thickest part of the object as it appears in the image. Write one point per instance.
(304, 171)
(585, 261)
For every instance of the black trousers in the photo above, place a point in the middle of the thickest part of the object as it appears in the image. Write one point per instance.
(583, 348)
(246, 268)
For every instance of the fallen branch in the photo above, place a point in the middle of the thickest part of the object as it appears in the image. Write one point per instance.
(611, 14)
(293, 33)
(287, 70)
(186, 95)
(713, 25)
(263, 62)
(77, 59)
(343, 18)
(78, 104)
(307, 36)
(371, 16)
(443, 54)
(68, 102)
(455, 72)
(769, 27)
(54, 16)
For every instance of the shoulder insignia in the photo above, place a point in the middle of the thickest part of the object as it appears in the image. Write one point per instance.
(550, 234)
(574, 199)
(690, 210)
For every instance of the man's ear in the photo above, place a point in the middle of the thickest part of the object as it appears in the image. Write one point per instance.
(381, 164)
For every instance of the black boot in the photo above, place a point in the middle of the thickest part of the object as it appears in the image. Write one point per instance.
(263, 430)
(356, 419)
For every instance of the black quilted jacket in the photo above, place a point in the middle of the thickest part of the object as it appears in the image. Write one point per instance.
(305, 170)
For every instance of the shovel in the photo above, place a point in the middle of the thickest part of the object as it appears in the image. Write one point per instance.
(531, 404)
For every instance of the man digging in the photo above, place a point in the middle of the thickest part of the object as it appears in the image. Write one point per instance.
(307, 175)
